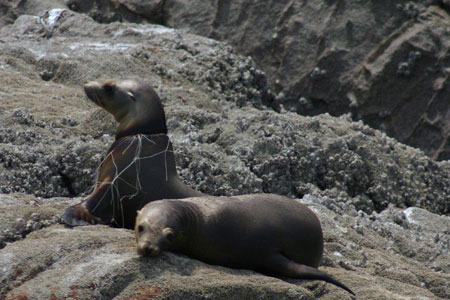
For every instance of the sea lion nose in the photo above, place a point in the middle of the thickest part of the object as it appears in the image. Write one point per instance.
(91, 84)
(149, 251)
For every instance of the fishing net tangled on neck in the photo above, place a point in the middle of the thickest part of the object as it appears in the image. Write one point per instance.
(133, 162)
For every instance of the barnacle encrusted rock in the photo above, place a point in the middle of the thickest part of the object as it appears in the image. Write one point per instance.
(383, 205)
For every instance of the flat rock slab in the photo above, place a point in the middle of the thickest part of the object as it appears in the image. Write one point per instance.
(98, 262)
(22, 214)
(396, 254)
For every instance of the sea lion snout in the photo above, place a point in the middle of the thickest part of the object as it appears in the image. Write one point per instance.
(91, 89)
(144, 249)
(91, 84)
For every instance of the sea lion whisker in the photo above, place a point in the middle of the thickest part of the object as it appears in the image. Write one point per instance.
(91, 187)
(116, 169)
(124, 169)
(97, 174)
(138, 178)
(97, 99)
(139, 144)
(113, 202)
(168, 145)
(121, 209)
(106, 182)
(138, 162)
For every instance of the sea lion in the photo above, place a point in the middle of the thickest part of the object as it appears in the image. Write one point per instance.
(139, 166)
(271, 234)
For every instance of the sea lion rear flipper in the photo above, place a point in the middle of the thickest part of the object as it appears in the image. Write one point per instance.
(283, 266)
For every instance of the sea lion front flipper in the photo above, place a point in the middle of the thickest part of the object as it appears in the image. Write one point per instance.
(78, 215)
(83, 213)
(101, 207)
(281, 265)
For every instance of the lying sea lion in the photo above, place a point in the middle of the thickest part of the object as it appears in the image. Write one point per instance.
(271, 234)
(140, 164)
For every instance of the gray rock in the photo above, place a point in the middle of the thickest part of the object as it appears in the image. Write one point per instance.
(97, 262)
(381, 259)
(12, 9)
(22, 214)
(382, 204)
(341, 56)
(358, 60)
(358, 47)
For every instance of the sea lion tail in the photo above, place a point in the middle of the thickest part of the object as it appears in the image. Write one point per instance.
(306, 272)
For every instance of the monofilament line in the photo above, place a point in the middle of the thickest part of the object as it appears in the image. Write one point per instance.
(112, 184)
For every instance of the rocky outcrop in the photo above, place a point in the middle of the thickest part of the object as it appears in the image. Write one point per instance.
(10, 10)
(227, 143)
(385, 63)
(394, 255)
(382, 204)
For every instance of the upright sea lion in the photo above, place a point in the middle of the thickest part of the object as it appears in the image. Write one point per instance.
(271, 234)
(140, 164)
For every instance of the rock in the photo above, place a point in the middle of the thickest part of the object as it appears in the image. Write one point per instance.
(22, 214)
(12, 9)
(383, 205)
(137, 11)
(221, 150)
(31, 166)
(344, 57)
(384, 63)
(410, 107)
(150, 10)
(97, 262)
(101, 262)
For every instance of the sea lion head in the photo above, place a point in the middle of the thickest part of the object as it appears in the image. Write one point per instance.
(134, 104)
(156, 229)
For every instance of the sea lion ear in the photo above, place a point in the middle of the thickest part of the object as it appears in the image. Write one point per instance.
(169, 234)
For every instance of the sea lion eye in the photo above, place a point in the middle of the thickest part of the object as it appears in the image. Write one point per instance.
(108, 88)
(169, 234)
(131, 96)
(140, 228)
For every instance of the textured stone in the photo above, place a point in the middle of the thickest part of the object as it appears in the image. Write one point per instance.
(382, 204)
(386, 62)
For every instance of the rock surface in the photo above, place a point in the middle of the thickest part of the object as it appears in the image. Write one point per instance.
(386, 62)
(382, 204)
(397, 254)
